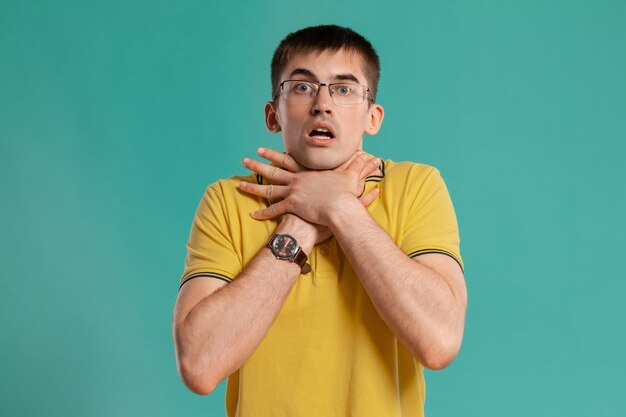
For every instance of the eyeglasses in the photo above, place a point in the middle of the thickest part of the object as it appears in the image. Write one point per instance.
(342, 94)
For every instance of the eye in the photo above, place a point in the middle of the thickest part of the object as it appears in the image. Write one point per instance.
(344, 89)
(303, 88)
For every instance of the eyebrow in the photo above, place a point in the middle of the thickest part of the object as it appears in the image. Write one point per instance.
(339, 77)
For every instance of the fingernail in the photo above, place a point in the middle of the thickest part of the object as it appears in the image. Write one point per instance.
(261, 151)
(245, 160)
(242, 184)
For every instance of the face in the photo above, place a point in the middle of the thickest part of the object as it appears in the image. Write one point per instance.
(300, 123)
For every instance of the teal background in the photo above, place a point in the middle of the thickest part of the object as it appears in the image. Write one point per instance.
(114, 116)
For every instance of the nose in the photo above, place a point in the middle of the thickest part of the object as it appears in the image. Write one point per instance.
(322, 102)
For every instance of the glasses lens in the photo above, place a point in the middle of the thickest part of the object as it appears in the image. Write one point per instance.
(347, 94)
(299, 91)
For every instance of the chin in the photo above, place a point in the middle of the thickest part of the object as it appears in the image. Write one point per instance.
(319, 164)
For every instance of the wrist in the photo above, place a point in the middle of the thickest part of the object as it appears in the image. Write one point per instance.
(300, 229)
(350, 209)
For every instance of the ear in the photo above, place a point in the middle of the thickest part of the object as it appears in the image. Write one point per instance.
(271, 117)
(376, 114)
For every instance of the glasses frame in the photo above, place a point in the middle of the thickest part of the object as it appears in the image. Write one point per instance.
(366, 91)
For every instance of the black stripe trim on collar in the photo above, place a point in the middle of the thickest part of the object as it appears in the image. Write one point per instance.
(441, 251)
(206, 275)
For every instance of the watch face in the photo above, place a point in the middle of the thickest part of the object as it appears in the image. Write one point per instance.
(284, 246)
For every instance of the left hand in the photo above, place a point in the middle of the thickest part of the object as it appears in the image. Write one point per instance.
(311, 195)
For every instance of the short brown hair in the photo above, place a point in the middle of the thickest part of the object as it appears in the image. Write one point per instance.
(322, 38)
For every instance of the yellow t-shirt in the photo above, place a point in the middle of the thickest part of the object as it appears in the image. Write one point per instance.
(328, 353)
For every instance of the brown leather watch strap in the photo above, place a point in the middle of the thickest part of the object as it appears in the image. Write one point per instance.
(301, 259)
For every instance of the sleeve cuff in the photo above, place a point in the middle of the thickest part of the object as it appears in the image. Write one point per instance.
(214, 275)
(441, 251)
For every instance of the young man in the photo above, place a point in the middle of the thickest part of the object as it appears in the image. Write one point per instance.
(327, 279)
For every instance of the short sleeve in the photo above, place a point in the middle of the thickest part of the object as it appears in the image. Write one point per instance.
(431, 225)
(210, 250)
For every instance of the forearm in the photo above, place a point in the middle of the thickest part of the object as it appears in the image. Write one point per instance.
(424, 306)
(222, 330)
(420, 307)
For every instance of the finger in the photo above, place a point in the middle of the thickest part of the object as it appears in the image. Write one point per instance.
(270, 191)
(371, 166)
(270, 212)
(364, 165)
(281, 159)
(370, 197)
(271, 173)
(358, 164)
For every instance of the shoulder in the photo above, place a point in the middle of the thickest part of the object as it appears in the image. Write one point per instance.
(226, 196)
(408, 174)
(229, 185)
(228, 188)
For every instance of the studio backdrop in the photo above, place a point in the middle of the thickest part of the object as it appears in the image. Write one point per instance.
(115, 116)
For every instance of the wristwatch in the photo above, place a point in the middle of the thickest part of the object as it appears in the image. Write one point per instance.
(286, 247)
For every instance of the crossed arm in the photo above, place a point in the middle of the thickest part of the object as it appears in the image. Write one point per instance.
(422, 300)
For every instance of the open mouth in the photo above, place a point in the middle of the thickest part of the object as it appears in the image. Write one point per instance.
(321, 132)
